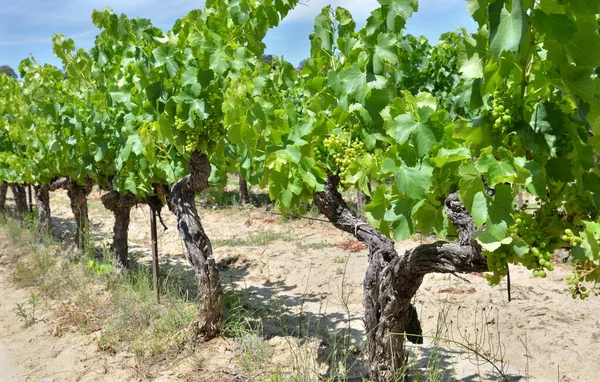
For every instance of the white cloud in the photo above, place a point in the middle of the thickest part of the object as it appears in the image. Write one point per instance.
(307, 10)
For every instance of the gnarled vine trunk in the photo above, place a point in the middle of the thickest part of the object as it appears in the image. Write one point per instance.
(3, 190)
(392, 280)
(78, 195)
(181, 201)
(243, 190)
(42, 200)
(20, 196)
(78, 198)
(120, 206)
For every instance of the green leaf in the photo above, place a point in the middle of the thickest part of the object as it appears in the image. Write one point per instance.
(166, 129)
(576, 81)
(399, 216)
(377, 209)
(506, 29)
(130, 184)
(445, 156)
(385, 52)
(424, 134)
(322, 36)
(520, 247)
(165, 55)
(354, 82)
(472, 55)
(470, 183)
(487, 241)
(504, 170)
(414, 182)
(479, 210)
(499, 209)
(537, 186)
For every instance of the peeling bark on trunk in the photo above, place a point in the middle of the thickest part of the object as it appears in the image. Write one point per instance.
(20, 196)
(243, 190)
(181, 201)
(3, 190)
(42, 200)
(392, 280)
(120, 206)
(78, 200)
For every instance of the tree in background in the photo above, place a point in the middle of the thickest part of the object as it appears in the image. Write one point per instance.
(8, 71)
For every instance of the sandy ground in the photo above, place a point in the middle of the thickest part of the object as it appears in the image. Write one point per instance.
(44, 351)
(312, 273)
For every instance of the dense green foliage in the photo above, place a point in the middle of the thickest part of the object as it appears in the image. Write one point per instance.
(510, 110)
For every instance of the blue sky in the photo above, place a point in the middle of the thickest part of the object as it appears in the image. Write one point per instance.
(27, 26)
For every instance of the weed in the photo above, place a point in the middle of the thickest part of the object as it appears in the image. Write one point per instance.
(99, 267)
(319, 245)
(339, 260)
(258, 239)
(26, 310)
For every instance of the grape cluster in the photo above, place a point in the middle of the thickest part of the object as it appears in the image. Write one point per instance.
(537, 257)
(498, 265)
(569, 237)
(505, 113)
(577, 290)
(343, 150)
(531, 231)
(180, 124)
(208, 130)
(212, 129)
(191, 143)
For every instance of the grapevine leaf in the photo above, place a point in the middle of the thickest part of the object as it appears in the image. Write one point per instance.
(471, 56)
(399, 215)
(520, 247)
(537, 186)
(322, 36)
(499, 209)
(487, 241)
(478, 10)
(165, 129)
(354, 82)
(414, 182)
(384, 52)
(479, 211)
(377, 209)
(470, 183)
(500, 171)
(165, 55)
(506, 29)
(576, 81)
(431, 218)
(445, 156)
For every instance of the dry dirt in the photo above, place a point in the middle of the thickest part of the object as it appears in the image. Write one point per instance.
(312, 274)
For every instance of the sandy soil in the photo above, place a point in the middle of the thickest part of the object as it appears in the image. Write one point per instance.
(312, 273)
(45, 350)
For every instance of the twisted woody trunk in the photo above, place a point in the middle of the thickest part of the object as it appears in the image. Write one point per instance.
(78, 195)
(181, 201)
(3, 190)
(243, 190)
(392, 280)
(42, 200)
(120, 206)
(20, 196)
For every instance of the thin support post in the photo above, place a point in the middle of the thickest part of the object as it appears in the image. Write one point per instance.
(153, 233)
(508, 283)
(30, 198)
